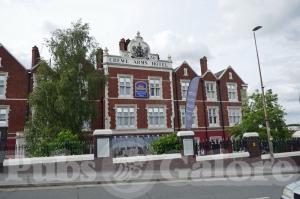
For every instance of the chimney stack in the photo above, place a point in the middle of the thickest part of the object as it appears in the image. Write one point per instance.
(203, 64)
(122, 44)
(35, 56)
(99, 58)
(126, 44)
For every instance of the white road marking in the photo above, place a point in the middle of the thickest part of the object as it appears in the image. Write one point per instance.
(261, 198)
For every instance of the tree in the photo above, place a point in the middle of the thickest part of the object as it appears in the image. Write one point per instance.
(66, 92)
(253, 117)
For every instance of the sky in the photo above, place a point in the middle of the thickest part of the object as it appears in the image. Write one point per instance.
(184, 29)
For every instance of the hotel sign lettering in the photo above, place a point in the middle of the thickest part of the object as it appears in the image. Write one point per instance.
(138, 61)
(141, 90)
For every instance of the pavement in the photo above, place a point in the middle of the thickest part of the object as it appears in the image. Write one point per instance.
(253, 187)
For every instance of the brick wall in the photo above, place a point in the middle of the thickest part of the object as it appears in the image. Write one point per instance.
(16, 93)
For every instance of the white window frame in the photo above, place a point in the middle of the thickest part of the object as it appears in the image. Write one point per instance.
(149, 107)
(239, 110)
(1, 62)
(195, 121)
(185, 71)
(134, 114)
(5, 123)
(184, 81)
(3, 96)
(160, 87)
(230, 75)
(236, 93)
(86, 125)
(130, 95)
(208, 97)
(217, 124)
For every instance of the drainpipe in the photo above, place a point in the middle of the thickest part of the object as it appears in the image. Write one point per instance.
(221, 107)
(204, 109)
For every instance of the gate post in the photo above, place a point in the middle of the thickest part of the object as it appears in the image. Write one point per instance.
(252, 144)
(102, 150)
(187, 142)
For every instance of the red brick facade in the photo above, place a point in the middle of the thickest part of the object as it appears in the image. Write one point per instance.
(15, 93)
(141, 68)
(159, 112)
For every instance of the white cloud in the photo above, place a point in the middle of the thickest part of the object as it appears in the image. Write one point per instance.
(180, 47)
(186, 30)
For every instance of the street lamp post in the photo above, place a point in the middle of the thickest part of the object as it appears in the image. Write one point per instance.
(263, 98)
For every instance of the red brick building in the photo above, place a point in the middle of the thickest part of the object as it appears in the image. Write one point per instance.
(145, 95)
(14, 89)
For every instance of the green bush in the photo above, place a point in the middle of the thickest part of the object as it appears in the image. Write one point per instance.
(66, 143)
(165, 144)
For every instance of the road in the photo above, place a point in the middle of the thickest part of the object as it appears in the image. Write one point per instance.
(258, 187)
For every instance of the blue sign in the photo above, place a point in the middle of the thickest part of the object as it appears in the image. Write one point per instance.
(190, 101)
(141, 90)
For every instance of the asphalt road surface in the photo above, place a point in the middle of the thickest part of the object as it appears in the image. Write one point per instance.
(258, 187)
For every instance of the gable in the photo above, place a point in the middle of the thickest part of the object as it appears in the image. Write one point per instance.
(180, 71)
(208, 75)
(9, 60)
(235, 76)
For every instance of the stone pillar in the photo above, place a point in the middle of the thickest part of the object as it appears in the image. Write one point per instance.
(187, 142)
(102, 150)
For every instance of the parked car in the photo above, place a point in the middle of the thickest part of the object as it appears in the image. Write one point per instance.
(291, 191)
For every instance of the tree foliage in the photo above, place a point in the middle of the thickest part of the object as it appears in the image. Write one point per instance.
(253, 117)
(165, 144)
(66, 91)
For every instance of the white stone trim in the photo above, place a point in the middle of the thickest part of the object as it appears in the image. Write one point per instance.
(146, 158)
(160, 84)
(145, 99)
(107, 118)
(172, 98)
(141, 131)
(215, 89)
(185, 133)
(218, 116)
(131, 86)
(223, 156)
(237, 102)
(102, 132)
(281, 155)
(250, 134)
(140, 67)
